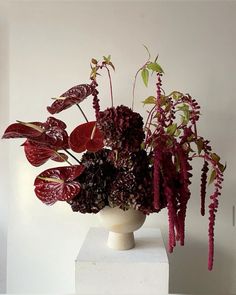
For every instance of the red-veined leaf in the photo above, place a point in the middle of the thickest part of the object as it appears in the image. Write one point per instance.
(86, 137)
(72, 96)
(57, 184)
(54, 122)
(38, 154)
(19, 130)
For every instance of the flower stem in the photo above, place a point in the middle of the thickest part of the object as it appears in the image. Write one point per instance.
(111, 91)
(69, 153)
(63, 158)
(86, 119)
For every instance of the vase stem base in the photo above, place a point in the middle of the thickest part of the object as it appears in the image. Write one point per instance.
(121, 241)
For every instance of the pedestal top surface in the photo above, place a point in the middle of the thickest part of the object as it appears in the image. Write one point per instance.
(149, 248)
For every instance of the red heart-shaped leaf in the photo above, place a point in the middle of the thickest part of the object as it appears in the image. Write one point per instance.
(38, 154)
(57, 184)
(54, 122)
(72, 96)
(19, 130)
(86, 137)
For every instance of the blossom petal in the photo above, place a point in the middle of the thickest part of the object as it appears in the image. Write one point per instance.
(58, 184)
(86, 137)
(18, 130)
(72, 96)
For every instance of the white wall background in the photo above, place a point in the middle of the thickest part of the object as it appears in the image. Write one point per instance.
(4, 119)
(51, 44)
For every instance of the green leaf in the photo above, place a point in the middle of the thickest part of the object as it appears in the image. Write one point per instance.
(94, 61)
(155, 67)
(149, 100)
(145, 76)
(171, 129)
(200, 143)
(212, 176)
(107, 59)
(221, 167)
(149, 55)
(142, 146)
(177, 132)
(215, 157)
(185, 109)
(177, 95)
(183, 121)
(111, 64)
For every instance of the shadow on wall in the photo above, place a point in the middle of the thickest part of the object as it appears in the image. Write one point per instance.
(189, 273)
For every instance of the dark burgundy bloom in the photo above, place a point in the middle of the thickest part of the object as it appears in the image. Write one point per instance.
(95, 182)
(72, 96)
(132, 187)
(58, 184)
(122, 128)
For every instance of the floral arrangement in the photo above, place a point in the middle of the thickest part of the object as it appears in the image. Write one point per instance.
(125, 162)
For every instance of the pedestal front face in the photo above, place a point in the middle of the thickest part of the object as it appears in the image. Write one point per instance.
(141, 270)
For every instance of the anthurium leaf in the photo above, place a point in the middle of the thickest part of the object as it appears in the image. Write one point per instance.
(155, 67)
(171, 129)
(72, 96)
(54, 122)
(54, 137)
(149, 100)
(86, 137)
(58, 184)
(19, 130)
(212, 176)
(145, 76)
(37, 154)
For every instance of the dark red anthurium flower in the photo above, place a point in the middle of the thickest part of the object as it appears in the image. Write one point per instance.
(20, 130)
(86, 137)
(51, 133)
(38, 154)
(72, 96)
(58, 184)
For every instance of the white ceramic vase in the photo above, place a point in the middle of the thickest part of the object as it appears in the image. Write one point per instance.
(121, 225)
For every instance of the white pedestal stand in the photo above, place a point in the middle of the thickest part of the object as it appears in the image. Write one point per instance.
(144, 269)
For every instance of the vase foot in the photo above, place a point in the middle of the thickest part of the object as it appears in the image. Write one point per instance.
(121, 241)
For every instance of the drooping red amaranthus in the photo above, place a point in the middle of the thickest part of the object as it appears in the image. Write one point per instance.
(184, 193)
(203, 186)
(95, 93)
(156, 178)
